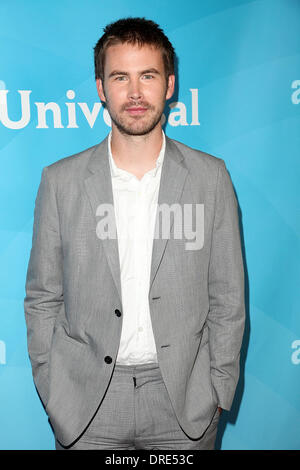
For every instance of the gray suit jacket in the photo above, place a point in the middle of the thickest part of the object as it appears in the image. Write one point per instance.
(73, 289)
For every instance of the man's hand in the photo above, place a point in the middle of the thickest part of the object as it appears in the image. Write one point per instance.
(220, 409)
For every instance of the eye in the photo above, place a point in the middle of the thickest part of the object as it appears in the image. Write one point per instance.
(148, 76)
(120, 78)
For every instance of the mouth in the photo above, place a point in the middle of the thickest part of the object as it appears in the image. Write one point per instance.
(136, 110)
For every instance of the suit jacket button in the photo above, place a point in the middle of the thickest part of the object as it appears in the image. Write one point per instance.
(118, 313)
(108, 359)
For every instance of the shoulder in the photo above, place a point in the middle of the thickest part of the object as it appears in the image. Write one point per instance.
(74, 167)
(195, 158)
(71, 163)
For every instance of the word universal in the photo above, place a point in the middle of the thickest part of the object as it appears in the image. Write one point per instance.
(66, 115)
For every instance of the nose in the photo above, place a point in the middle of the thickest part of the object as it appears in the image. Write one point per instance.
(134, 90)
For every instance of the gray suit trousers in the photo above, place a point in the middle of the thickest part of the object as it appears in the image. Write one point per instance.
(136, 413)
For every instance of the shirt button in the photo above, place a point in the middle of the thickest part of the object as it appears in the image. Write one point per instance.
(118, 313)
(108, 359)
(141, 329)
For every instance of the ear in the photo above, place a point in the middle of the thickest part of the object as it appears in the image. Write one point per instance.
(171, 86)
(100, 90)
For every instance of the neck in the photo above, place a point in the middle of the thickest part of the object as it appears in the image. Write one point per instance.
(137, 153)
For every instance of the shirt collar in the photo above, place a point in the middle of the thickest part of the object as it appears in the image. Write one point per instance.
(119, 172)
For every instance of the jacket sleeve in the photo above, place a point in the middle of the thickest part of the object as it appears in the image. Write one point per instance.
(44, 289)
(226, 315)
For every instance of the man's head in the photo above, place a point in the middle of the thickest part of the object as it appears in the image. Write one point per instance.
(135, 31)
(134, 69)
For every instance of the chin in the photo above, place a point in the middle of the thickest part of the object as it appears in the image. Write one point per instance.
(137, 129)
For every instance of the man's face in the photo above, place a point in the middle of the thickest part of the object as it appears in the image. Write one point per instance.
(134, 87)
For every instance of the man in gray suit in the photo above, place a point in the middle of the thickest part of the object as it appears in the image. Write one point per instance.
(134, 330)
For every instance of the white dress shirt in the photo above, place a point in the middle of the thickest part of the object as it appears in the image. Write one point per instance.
(135, 203)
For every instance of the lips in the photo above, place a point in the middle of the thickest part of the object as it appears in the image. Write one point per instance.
(136, 110)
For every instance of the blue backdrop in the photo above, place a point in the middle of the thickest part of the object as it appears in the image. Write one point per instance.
(238, 98)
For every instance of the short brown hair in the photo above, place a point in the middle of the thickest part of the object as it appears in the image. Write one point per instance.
(134, 31)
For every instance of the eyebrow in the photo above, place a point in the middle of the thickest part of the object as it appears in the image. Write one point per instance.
(120, 72)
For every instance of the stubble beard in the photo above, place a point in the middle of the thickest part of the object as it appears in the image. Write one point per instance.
(136, 125)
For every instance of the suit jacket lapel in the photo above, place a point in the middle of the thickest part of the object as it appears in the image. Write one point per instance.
(99, 190)
(98, 187)
(172, 181)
